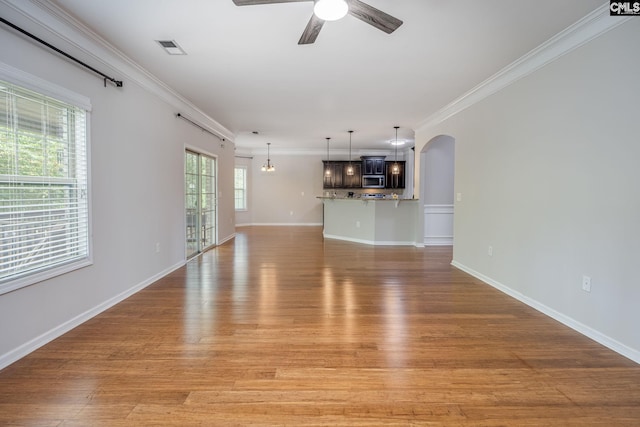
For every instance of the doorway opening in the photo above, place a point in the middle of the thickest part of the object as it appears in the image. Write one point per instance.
(437, 171)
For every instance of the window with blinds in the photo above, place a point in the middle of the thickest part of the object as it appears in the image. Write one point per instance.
(240, 187)
(44, 208)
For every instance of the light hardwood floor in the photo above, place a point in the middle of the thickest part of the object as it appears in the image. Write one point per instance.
(279, 327)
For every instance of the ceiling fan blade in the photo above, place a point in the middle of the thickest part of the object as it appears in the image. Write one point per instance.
(310, 34)
(252, 2)
(372, 16)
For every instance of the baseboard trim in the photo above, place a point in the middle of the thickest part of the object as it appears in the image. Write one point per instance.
(368, 242)
(438, 241)
(34, 344)
(282, 224)
(585, 330)
(226, 239)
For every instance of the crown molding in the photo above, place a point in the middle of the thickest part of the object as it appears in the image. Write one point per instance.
(583, 31)
(45, 15)
(335, 154)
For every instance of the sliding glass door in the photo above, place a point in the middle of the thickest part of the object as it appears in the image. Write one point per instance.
(200, 202)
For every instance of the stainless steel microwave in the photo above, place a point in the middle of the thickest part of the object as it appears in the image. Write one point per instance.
(372, 181)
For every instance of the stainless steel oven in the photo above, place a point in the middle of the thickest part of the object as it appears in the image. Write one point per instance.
(372, 181)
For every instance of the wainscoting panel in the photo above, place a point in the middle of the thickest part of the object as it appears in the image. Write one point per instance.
(438, 225)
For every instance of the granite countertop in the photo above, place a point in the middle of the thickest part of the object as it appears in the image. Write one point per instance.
(387, 199)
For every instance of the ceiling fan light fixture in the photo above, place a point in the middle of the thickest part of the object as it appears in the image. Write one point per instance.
(331, 10)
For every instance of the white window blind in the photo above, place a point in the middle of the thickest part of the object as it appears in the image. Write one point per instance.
(44, 209)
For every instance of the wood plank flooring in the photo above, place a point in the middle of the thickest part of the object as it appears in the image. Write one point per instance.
(281, 328)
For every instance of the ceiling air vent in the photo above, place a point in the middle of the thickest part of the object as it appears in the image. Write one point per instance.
(171, 47)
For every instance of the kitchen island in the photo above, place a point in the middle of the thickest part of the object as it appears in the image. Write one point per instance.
(373, 221)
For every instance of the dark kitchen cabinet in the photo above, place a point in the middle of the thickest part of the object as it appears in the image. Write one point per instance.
(355, 180)
(337, 176)
(394, 181)
(333, 174)
(373, 165)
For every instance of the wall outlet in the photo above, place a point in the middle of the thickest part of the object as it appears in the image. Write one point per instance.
(157, 247)
(459, 197)
(357, 224)
(490, 251)
(586, 283)
(303, 194)
(291, 213)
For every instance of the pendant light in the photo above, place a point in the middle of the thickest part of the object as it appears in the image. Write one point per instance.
(330, 10)
(350, 167)
(327, 171)
(268, 167)
(395, 169)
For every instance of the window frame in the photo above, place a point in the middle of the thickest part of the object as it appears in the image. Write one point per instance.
(45, 88)
(244, 189)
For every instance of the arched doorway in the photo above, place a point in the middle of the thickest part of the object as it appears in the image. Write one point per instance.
(437, 171)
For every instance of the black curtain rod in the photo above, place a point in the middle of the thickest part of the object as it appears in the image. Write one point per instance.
(117, 83)
(202, 128)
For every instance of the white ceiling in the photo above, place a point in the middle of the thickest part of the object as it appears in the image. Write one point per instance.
(245, 69)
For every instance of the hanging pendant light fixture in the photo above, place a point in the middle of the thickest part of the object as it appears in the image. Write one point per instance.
(395, 169)
(350, 167)
(327, 171)
(268, 167)
(330, 10)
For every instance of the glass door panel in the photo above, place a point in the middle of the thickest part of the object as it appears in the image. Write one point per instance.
(208, 198)
(200, 202)
(191, 203)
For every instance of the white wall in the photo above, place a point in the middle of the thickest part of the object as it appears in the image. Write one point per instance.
(137, 196)
(437, 159)
(548, 170)
(286, 196)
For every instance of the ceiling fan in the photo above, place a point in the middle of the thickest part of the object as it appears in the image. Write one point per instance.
(331, 10)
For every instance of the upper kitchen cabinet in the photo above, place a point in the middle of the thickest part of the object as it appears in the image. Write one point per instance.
(355, 180)
(397, 180)
(335, 174)
(373, 165)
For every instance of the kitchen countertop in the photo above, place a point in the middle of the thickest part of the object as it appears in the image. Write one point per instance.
(366, 199)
